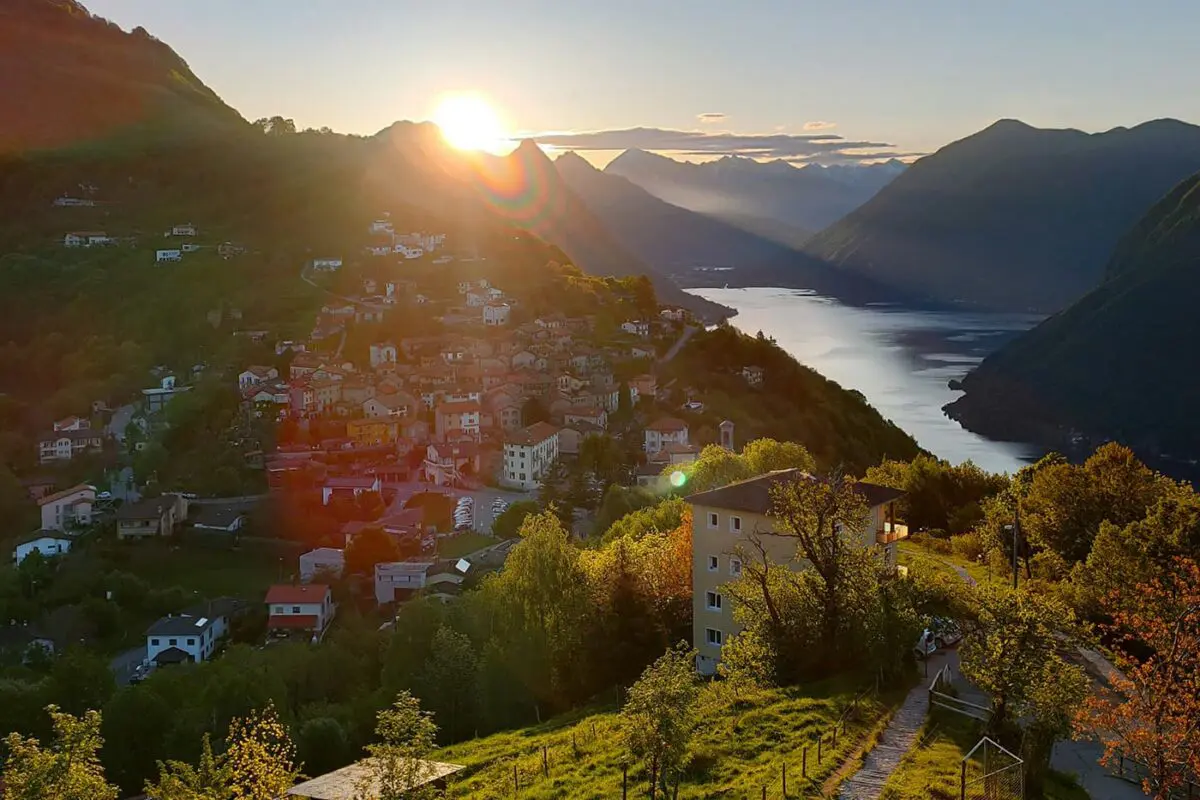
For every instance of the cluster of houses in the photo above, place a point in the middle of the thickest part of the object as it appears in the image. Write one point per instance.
(186, 231)
(459, 398)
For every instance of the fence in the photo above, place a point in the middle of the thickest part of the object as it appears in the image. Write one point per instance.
(1135, 771)
(797, 777)
(991, 772)
(939, 695)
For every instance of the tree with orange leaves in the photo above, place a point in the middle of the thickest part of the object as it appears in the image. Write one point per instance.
(1151, 714)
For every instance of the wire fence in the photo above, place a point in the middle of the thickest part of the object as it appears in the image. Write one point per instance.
(799, 776)
(941, 695)
(1136, 771)
(992, 772)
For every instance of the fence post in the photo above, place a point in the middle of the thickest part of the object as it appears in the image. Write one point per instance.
(624, 781)
(819, 741)
(545, 762)
(764, 793)
(516, 782)
(962, 782)
(804, 763)
(785, 780)
(835, 734)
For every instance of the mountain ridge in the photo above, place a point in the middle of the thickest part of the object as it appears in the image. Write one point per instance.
(1042, 208)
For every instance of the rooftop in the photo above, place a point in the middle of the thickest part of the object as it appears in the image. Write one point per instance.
(343, 784)
(65, 493)
(180, 625)
(667, 425)
(754, 494)
(534, 434)
(286, 593)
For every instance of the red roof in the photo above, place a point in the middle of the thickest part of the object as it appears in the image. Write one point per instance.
(286, 593)
(306, 622)
(51, 498)
(667, 425)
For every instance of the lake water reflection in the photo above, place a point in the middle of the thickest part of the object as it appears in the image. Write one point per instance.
(900, 359)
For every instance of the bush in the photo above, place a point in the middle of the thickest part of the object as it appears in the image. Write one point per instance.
(967, 545)
(930, 543)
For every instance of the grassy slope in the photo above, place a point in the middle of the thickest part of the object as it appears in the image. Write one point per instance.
(931, 771)
(740, 747)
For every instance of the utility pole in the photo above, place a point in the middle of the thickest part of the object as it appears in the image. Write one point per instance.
(1016, 542)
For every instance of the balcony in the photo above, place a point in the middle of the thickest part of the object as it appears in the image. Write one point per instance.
(891, 533)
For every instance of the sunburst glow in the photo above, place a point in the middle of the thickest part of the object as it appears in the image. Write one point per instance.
(468, 122)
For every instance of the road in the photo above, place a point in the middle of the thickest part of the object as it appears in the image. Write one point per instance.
(1081, 757)
(121, 418)
(123, 665)
(679, 343)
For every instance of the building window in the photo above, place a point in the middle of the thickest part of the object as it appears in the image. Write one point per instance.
(735, 567)
(713, 522)
(735, 524)
(191, 641)
(713, 636)
(712, 601)
(154, 642)
(172, 642)
(278, 609)
(522, 476)
(712, 564)
(295, 609)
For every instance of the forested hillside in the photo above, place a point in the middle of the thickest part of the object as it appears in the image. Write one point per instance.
(1115, 364)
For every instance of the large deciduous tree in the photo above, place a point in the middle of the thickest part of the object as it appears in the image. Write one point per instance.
(397, 767)
(1151, 713)
(661, 714)
(67, 769)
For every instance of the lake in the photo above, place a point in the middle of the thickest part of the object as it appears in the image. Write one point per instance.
(900, 359)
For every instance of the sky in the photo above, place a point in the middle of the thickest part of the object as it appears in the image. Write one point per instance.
(906, 76)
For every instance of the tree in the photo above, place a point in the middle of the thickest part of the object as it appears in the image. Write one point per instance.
(767, 455)
(938, 495)
(321, 745)
(1150, 713)
(824, 516)
(508, 524)
(449, 683)
(371, 546)
(1012, 655)
(660, 715)
(69, 769)
(396, 769)
(178, 780)
(260, 757)
(275, 126)
(747, 661)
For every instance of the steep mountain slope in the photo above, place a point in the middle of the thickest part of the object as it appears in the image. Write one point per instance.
(1116, 363)
(666, 236)
(730, 188)
(68, 77)
(1012, 217)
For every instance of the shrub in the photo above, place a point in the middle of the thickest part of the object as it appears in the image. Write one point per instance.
(967, 545)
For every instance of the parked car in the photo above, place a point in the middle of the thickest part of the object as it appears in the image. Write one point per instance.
(940, 634)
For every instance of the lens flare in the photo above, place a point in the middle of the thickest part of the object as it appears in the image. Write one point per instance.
(468, 122)
(678, 479)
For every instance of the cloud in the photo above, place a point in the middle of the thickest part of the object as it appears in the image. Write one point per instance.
(822, 148)
(710, 117)
(819, 125)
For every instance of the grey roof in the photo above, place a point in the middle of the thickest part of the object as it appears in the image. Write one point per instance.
(217, 516)
(342, 784)
(754, 494)
(180, 625)
(149, 508)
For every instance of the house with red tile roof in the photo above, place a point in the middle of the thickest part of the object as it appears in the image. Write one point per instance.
(306, 607)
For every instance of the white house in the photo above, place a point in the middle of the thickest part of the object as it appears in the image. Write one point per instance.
(157, 398)
(256, 375)
(382, 353)
(184, 638)
(86, 239)
(408, 252)
(381, 226)
(327, 264)
(664, 431)
(307, 607)
(188, 247)
(637, 327)
(69, 507)
(476, 299)
(43, 542)
(168, 255)
(323, 560)
(403, 577)
(673, 314)
(496, 314)
(379, 249)
(528, 454)
(187, 229)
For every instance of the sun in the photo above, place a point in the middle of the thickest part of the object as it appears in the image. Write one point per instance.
(468, 122)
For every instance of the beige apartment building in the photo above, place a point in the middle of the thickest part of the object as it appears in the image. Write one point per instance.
(723, 519)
